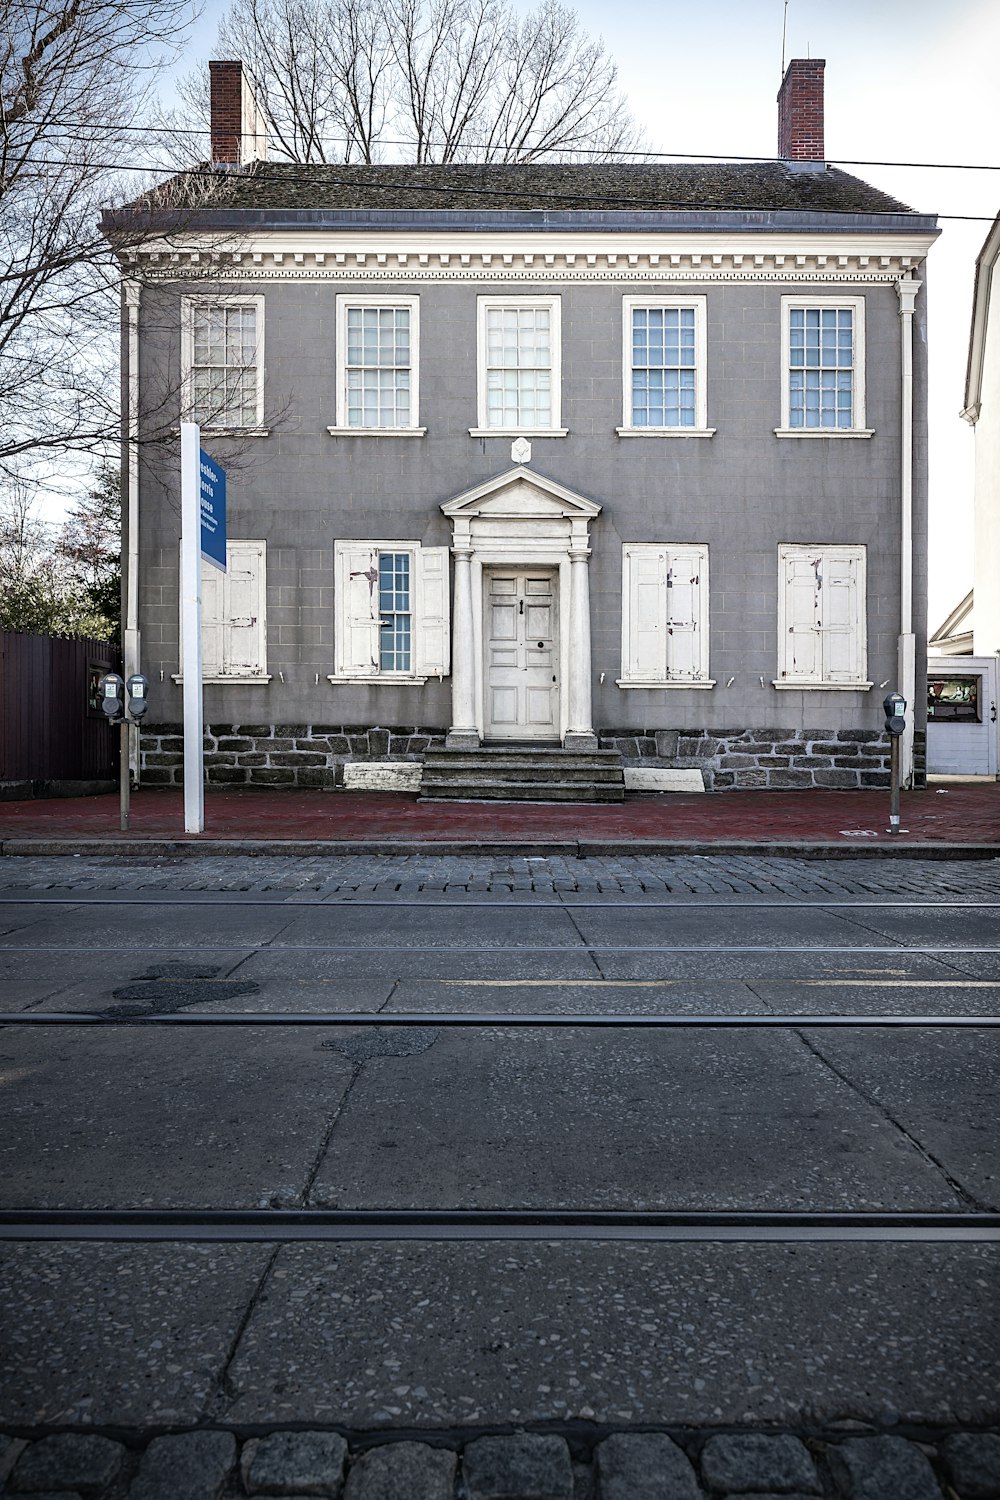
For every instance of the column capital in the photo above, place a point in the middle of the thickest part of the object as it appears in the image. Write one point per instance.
(579, 554)
(463, 554)
(907, 288)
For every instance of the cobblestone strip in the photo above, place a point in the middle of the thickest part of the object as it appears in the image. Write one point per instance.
(445, 876)
(210, 1464)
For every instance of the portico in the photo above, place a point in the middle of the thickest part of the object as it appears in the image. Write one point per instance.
(521, 660)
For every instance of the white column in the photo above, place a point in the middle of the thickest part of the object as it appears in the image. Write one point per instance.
(463, 734)
(906, 288)
(580, 730)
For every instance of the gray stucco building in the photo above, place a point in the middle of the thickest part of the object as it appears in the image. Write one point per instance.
(629, 455)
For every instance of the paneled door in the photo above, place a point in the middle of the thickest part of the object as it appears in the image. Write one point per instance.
(521, 688)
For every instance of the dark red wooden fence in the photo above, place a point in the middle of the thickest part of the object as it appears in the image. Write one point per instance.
(52, 727)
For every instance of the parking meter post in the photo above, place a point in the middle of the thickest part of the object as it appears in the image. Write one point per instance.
(894, 708)
(123, 775)
(894, 785)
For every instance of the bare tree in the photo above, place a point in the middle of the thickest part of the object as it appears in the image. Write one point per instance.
(74, 76)
(420, 80)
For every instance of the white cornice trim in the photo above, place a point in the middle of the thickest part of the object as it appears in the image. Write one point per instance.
(413, 257)
(986, 269)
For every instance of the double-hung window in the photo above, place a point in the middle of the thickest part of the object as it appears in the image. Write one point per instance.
(377, 366)
(519, 366)
(821, 617)
(664, 615)
(223, 361)
(823, 367)
(664, 368)
(391, 621)
(233, 616)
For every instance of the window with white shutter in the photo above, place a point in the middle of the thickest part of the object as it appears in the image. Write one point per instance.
(665, 615)
(821, 617)
(233, 616)
(392, 616)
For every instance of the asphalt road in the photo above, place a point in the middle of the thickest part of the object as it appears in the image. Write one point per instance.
(418, 1335)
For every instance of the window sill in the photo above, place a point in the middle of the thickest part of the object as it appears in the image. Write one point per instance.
(238, 432)
(658, 683)
(247, 681)
(804, 686)
(665, 432)
(824, 432)
(381, 679)
(378, 432)
(513, 432)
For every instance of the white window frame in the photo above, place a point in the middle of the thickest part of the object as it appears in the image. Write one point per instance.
(419, 557)
(630, 679)
(489, 304)
(811, 304)
(787, 679)
(243, 676)
(188, 307)
(342, 428)
(701, 429)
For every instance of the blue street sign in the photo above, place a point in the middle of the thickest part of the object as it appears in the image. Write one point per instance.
(212, 480)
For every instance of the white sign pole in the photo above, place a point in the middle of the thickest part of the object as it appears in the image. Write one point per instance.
(194, 764)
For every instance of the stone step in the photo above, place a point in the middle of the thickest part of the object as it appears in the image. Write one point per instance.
(519, 748)
(432, 790)
(467, 770)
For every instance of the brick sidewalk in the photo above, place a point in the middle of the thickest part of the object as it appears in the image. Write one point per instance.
(964, 815)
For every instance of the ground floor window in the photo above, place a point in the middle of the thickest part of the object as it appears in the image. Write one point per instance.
(821, 616)
(664, 615)
(391, 612)
(233, 615)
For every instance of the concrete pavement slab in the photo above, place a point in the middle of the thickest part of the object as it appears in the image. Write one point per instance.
(859, 994)
(575, 1119)
(150, 929)
(577, 997)
(119, 1335)
(135, 1117)
(751, 967)
(789, 926)
(381, 1336)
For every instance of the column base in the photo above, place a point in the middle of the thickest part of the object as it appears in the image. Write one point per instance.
(580, 739)
(461, 739)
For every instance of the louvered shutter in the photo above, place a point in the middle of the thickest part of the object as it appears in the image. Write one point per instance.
(213, 608)
(838, 618)
(357, 610)
(243, 625)
(646, 604)
(801, 645)
(432, 627)
(686, 587)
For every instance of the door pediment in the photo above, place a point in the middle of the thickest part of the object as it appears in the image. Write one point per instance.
(521, 495)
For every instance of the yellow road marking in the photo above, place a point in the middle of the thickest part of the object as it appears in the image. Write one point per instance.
(909, 984)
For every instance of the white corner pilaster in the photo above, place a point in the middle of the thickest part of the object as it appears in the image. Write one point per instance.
(580, 730)
(463, 734)
(907, 288)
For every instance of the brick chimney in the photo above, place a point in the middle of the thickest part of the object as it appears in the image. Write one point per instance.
(239, 132)
(800, 112)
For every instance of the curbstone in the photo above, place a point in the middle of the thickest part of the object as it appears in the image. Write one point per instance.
(972, 1464)
(191, 1466)
(295, 1463)
(413, 1470)
(68, 1461)
(755, 1462)
(522, 1467)
(645, 1466)
(882, 1468)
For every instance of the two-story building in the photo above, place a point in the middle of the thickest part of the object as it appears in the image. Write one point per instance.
(629, 456)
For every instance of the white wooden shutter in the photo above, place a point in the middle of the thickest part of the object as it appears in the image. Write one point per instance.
(686, 627)
(800, 649)
(645, 610)
(357, 610)
(244, 621)
(213, 607)
(839, 617)
(432, 625)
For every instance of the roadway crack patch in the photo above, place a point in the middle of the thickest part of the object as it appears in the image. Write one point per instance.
(165, 989)
(967, 1199)
(226, 1390)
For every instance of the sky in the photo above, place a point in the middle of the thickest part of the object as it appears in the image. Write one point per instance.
(906, 81)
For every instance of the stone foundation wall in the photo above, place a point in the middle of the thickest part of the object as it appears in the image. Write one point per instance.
(737, 759)
(278, 755)
(313, 755)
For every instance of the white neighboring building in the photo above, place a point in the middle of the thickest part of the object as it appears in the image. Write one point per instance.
(982, 410)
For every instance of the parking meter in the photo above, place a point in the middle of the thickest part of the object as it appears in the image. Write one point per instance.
(112, 695)
(137, 688)
(894, 705)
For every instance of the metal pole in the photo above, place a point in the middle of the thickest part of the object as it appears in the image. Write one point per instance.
(194, 765)
(894, 786)
(123, 774)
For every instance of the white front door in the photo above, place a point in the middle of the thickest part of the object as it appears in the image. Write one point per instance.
(521, 700)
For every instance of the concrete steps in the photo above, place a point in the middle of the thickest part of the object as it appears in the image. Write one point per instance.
(522, 774)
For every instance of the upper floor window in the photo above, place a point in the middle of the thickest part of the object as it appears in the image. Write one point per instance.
(519, 366)
(823, 367)
(664, 368)
(223, 361)
(377, 368)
